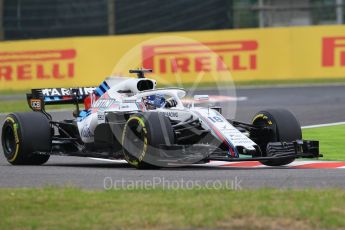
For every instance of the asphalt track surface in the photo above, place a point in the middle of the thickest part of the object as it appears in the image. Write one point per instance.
(311, 105)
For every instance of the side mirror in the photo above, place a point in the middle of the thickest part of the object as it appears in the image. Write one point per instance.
(200, 98)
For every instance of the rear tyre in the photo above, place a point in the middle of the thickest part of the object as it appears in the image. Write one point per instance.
(142, 137)
(23, 134)
(284, 128)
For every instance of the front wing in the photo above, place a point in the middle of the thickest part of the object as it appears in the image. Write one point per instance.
(183, 154)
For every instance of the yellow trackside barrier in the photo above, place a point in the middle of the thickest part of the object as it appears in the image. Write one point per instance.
(293, 53)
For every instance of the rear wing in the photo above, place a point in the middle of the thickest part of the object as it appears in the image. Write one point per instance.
(38, 98)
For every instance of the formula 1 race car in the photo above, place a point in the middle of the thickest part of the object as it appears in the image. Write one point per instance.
(128, 118)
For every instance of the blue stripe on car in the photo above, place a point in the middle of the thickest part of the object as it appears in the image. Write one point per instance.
(99, 92)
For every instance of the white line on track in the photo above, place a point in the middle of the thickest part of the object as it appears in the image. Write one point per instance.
(306, 85)
(323, 125)
(107, 160)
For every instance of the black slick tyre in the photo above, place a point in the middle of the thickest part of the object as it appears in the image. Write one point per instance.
(23, 136)
(142, 137)
(284, 128)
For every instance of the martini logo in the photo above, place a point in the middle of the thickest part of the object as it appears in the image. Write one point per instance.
(201, 57)
(57, 92)
(37, 64)
(333, 51)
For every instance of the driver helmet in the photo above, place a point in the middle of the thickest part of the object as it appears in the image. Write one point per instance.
(155, 101)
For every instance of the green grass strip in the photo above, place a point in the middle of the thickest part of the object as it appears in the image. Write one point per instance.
(57, 208)
(332, 140)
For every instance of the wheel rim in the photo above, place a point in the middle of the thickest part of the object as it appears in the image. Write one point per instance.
(9, 141)
(134, 141)
(266, 123)
(262, 142)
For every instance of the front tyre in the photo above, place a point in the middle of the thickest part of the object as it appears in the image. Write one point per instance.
(25, 134)
(142, 138)
(284, 128)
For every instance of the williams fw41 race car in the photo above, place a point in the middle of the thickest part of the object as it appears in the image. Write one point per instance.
(128, 118)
